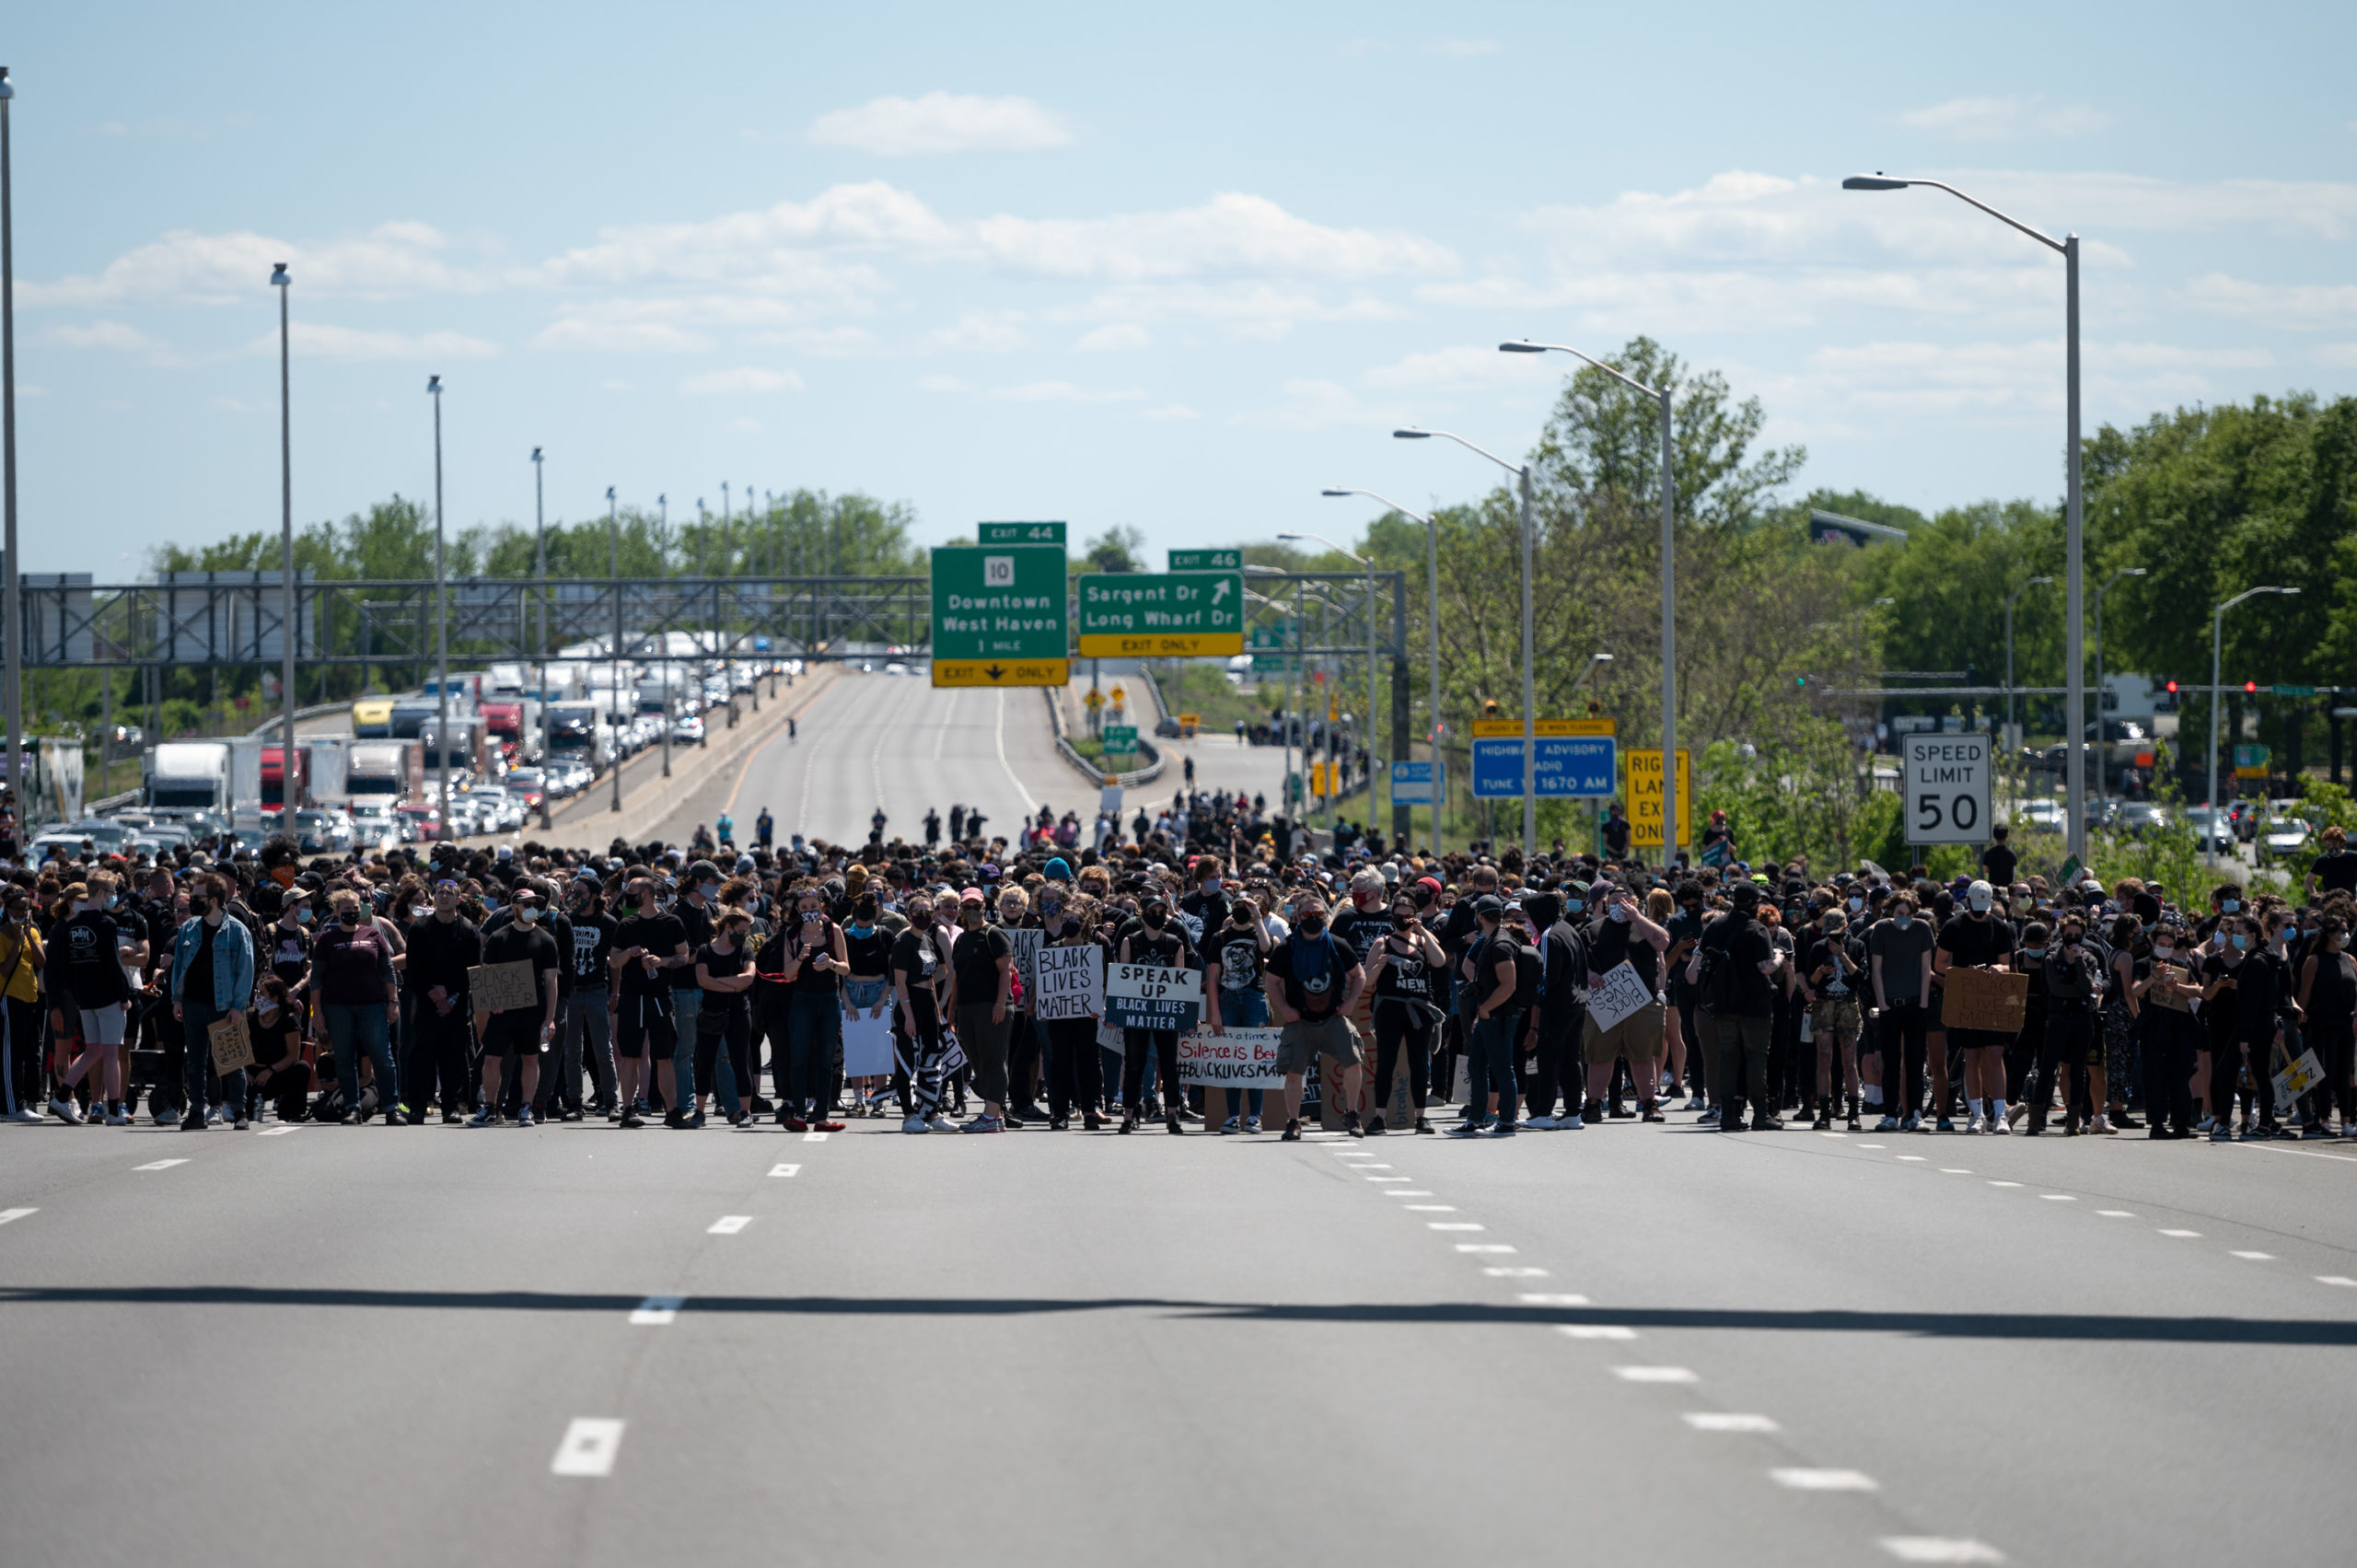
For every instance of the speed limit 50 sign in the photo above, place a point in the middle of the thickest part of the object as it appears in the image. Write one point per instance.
(1946, 782)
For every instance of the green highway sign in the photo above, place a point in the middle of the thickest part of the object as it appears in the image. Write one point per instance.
(1022, 533)
(1207, 560)
(2281, 690)
(1121, 737)
(998, 615)
(1173, 615)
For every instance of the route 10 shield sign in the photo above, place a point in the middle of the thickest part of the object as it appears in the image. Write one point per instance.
(1944, 780)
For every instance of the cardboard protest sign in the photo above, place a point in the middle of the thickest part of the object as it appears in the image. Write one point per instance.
(504, 988)
(867, 1045)
(1148, 996)
(2297, 1079)
(2166, 978)
(1027, 954)
(1240, 1059)
(1988, 999)
(1072, 983)
(1623, 993)
(232, 1048)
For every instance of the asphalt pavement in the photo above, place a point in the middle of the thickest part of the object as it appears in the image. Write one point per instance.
(1626, 1344)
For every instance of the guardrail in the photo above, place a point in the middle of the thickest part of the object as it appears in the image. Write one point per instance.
(1088, 770)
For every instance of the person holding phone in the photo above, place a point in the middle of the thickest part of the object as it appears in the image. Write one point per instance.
(813, 958)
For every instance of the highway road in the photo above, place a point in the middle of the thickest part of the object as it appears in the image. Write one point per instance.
(1627, 1344)
(870, 740)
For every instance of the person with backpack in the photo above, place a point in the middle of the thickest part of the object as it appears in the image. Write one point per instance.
(1503, 975)
(1312, 981)
(1563, 957)
(1735, 965)
(1398, 969)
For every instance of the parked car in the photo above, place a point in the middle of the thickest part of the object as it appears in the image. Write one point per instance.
(2039, 816)
(2140, 819)
(2285, 836)
(2213, 831)
(689, 731)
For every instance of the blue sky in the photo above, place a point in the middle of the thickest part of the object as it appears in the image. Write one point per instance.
(1175, 270)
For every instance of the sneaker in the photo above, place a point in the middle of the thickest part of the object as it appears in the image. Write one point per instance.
(1375, 1128)
(162, 1115)
(828, 1125)
(450, 1114)
(2221, 1134)
(524, 1117)
(1175, 1126)
(26, 1116)
(2100, 1125)
(237, 1120)
(1569, 1122)
(916, 1124)
(1888, 1124)
(939, 1122)
(1424, 1125)
(1468, 1127)
(631, 1118)
(2315, 1130)
(1593, 1110)
(1976, 1124)
(792, 1123)
(1709, 1118)
(984, 1123)
(2207, 1123)
(1293, 1132)
(675, 1117)
(1910, 1122)
(1251, 1125)
(2002, 1123)
(575, 1113)
(1651, 1113)
(193, 1122)
(1945, 1125)
(1502, 1128)
(1767, 1121)
(1543, 1124)
(1232, 1124)
(1351, 1124)
(1129, 1121)
(696, 1121)
(1092, 1122)
(742, 1117)
(66, 1110)
(2013, 1113)
(118, 1117)
(487, 1116)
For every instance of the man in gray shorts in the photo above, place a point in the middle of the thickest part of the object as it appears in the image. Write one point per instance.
(1312, 980)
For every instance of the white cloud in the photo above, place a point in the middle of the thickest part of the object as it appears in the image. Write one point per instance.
(942, 123)
(1462, 48)
(186, 268)
(2295, 306)
(1468, 366)
(607, 331)
(1114, 337)
(114, 335)
(2004, 119)
(2342, 354)
(1314, 404)
(745, 381)
(1066, 392)
(319, 340)
(1168, 411)
(1232, 232)
(981, 332)
(941, 384)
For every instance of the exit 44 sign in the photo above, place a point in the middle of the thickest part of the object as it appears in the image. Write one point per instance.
(1021, 533)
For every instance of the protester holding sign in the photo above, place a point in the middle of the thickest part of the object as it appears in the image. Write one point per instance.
(1622, 935)
(1491, 970)
(1399, 966)
(1312, 983)
(1979, 938)
(1233, 958)
(521, 1031)
(1159, 944)
(212, 979)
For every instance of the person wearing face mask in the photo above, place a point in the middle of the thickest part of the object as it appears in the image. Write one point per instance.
(1979, 938)
(1734, 970)
(1158, 942)
(2068, 975)
(1397, 969)
(442, 946)
(1833, 974)
(1620, 932)
(1899, 953)
(2329, 1002)
(1683, 1026)
(22, 958)
(798, 998)
(279, 1073)
(94, 951)
(352, 968)
(2171, 1035)
(2252, 981)
(1234, 956)
(696, 909)
(1311, 980)
(1556, 1066)
(724, 1024)
(521, 1033)
(647, 947)
(1076, 1062)
(919, 976)
(1206, 902)
(1025, 1041)
(983, 977)
(868, 935)
(212, 979)
(586, 1027)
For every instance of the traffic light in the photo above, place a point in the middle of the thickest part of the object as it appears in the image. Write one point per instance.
(1490, 708)
(2250, 688)
(1595, 708)
(2172, 688)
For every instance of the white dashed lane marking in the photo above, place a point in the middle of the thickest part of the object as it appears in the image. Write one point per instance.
(277, 1131)
(158, 1164)
(1594, 1331)
(2341, 1279)
(1916, 1158)
(1822, 1481)
(2180, 1233)
(1407, 1191)
(1430, 1208)
(2256, 1256)
(1720, 1421)
(1536, 1298)
(814, 1137)
(1939, 1549)
(728, 1224)
(1390, 1178)
(1454, 1224)
(1954, 1170)
(1496, 1273)
(589, 1447)
(2116, 1214)
(1484, 1247)
(2004, 1184)
(786, 1170)
(657, 1311)
(1655, 1374)
(9, 1214)
(2058, 1197)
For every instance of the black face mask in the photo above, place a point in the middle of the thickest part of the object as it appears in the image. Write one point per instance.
(1156, 917)
(1399, 920)
(1313, 924)
(349, 917)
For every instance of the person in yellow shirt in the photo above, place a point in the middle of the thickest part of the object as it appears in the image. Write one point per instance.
(24, 1081)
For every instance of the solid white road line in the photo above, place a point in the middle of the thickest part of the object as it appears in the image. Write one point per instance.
(1654, 1374)
(999, 734)
(1822, 1481)
(1723, 1421)
(9, 1214)
(728, 1224)
(158, 1164)
(1594, 1331)
(589, 1447)
(1939, 1549)
(786, 1170)
(657, 1311)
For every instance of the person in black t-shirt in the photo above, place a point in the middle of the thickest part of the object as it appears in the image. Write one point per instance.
(982, 969)
(643, 945)
(920, 974)
(1158, 941)
(524, 1032)
(2335, 870)
(1998, 861)
(1741, 1004)
(441, 947)
(1312, 981)
(1399, 968)
(724, 974)
(1489, 970)
(1979, 938)
(588, 1038)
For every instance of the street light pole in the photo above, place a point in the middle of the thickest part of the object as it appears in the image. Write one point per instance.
(441, 623)
(613, 692)
(2010, 601)
(2074, 649)
(2217, 631)
(1530, 677)
(2102, 785)
(541, 587)
(289, 796)
(1375, 757)
(12, 606)
(1432, 632)
(1661, 396)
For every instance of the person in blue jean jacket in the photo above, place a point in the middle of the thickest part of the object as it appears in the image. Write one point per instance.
(212, 978)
